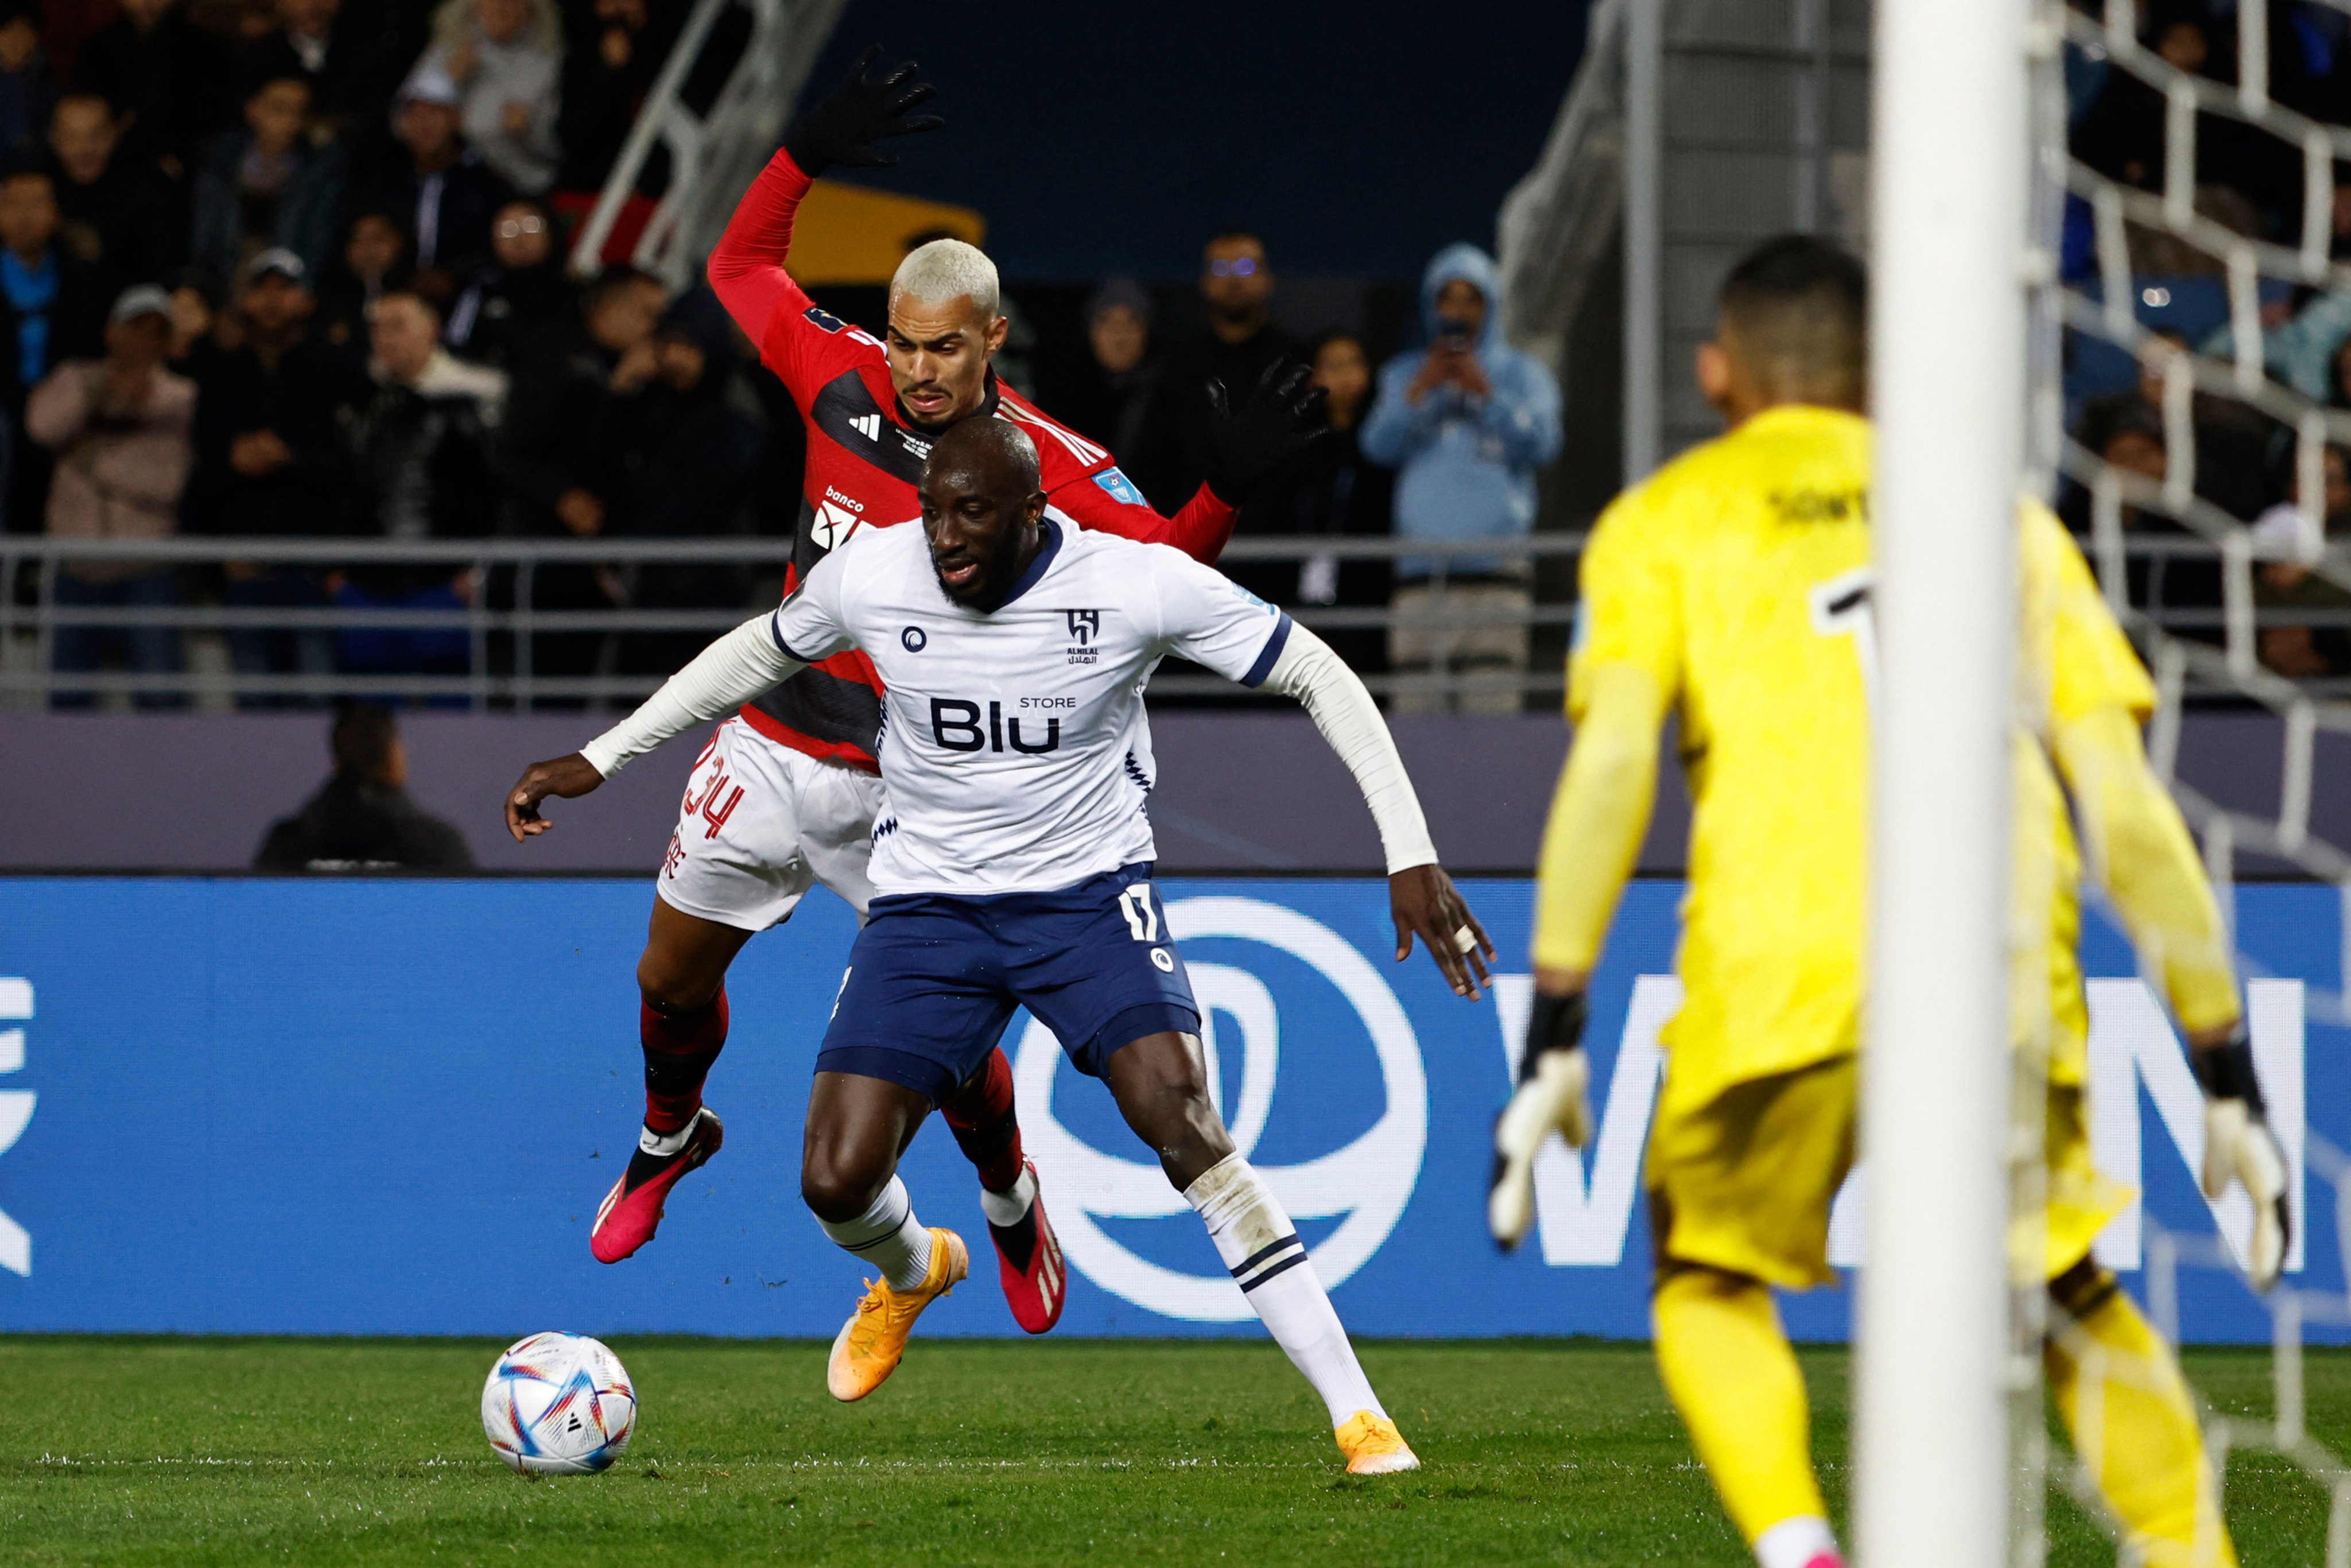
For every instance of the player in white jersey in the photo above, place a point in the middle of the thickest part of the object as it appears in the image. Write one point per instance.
(1013, 867)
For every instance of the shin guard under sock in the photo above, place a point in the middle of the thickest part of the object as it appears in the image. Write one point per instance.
(679, 1049)
(980, 1115)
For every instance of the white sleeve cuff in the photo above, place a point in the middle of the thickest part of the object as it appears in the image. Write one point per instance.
(1343, 711)
(737, 667)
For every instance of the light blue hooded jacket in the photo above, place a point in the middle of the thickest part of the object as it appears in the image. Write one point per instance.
(1466, 468)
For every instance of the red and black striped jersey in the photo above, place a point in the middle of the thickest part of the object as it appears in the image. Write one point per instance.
(865, 456)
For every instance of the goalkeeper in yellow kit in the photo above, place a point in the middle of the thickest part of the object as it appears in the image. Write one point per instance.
(1731, 590)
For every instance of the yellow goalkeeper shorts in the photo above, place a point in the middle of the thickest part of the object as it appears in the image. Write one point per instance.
(1743, 1182)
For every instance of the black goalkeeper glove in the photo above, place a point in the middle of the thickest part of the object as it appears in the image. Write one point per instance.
(842, 128)
(1282, 420)
(2240, 1147)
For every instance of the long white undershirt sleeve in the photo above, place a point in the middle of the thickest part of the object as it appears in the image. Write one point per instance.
(1343, 711)
(722, 677)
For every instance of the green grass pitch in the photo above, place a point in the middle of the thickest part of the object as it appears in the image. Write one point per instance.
(310, 1451)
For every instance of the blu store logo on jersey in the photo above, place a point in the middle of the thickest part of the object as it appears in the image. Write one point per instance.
(956, 726)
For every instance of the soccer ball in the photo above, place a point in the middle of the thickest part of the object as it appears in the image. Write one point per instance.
(559, 1404)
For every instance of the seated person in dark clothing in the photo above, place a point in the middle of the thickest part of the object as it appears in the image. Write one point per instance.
(420, 456)
(117, 215)
(689, 442)
(170, 81)
(439, 185)
(270, 462)
(1342, 494)
(349, 82)
(362, 820)
(374, 258)
(267, 186)
(1110, 399)
(52, 309)
(519, 295)
(25, 94)
(561, 469)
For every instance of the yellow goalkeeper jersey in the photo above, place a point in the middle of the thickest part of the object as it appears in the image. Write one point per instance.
(1736, 579)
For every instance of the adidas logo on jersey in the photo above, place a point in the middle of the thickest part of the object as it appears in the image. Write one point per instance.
(868, 425)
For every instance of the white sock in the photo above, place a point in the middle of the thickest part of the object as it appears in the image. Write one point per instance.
(1261, 1248)
(888, 1237)
(1798, 1542)
(654, 1142)
(1004, 1208)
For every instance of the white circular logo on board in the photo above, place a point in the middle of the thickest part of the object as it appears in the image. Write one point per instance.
(1368, 1181)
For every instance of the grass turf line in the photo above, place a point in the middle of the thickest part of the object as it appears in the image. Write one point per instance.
(121, 1450)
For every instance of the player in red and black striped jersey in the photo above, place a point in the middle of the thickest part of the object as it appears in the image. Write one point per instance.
(785, 794)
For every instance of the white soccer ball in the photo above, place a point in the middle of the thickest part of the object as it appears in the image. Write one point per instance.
(559, 1404)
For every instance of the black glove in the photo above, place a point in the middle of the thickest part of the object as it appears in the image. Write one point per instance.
(1553, 1023)
(1282, 421)
(842, 128)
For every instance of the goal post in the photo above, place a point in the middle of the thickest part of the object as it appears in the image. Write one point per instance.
(1947, 331)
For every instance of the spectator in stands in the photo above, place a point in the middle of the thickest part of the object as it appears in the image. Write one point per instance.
(168, 79)
(270, 462)
(52, 309)
(2122, 135)
(2291, 543)
(25, 93)
(266, 187)
(507, 58)
(611, 52)
(688, 442)
(558, 455)
(118, 216)
(440, 185)
(520, 296)
(419, 451)
(373, 260)
(1342, 495)
(362, 819)
(1466, 422)
(1239, 346)
(347, 77)
(1110, 399)
(120, 427)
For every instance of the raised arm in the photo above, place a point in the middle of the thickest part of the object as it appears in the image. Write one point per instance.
(1421, 897)
(746, 266)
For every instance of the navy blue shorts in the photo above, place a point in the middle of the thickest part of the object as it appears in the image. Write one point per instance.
(934, 977)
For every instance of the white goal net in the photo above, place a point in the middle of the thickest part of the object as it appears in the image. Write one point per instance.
(2187, 414)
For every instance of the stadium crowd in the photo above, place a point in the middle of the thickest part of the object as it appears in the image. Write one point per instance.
(298, 269)
(2250, 183)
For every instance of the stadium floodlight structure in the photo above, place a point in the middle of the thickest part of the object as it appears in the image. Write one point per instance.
(1948, 328)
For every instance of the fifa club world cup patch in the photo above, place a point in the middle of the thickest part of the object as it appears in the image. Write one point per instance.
(1120, 487)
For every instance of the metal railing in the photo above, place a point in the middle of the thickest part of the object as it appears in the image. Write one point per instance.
(504, 628)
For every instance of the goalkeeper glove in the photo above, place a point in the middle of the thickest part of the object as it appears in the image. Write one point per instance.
(2240, 1147)
(1552, 1096)
(1284, 418)
(842, 128)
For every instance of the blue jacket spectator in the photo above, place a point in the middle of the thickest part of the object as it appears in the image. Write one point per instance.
(1466, 420)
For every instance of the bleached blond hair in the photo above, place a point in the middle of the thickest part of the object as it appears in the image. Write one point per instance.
(946, 270)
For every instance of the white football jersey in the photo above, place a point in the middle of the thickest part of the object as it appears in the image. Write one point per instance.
(1015, 753)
